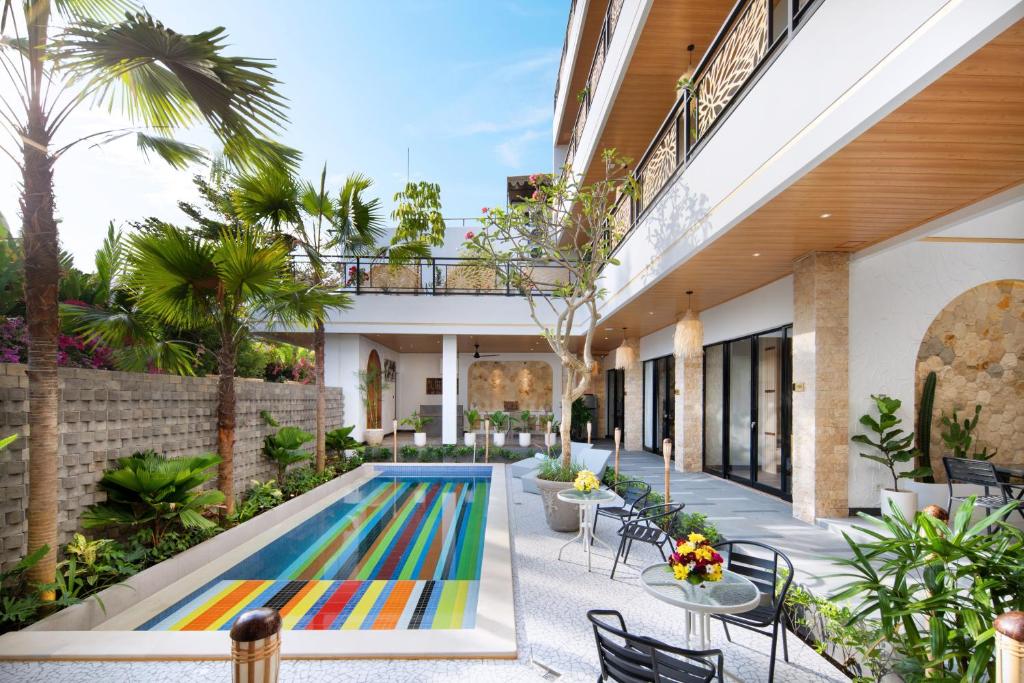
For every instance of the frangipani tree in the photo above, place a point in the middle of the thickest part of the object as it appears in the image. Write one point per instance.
(552, 249)
(63, 56)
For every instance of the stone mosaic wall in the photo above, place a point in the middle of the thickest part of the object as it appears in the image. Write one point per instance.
(108, 415)
(497, 385)
(976, 348)
(633, 420)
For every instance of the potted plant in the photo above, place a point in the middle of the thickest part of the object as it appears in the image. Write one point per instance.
(525, 422)
(371, 385)
(551, 438)
(417, 422)
(339, 442)
(473, 420)
(894, 447)
(551, 477)
(499, 421)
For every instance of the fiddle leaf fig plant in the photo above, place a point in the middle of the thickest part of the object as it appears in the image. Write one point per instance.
(892, 444)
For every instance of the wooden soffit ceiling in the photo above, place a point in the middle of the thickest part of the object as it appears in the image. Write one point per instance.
(595, 10)
(489, 343)
(955, 143)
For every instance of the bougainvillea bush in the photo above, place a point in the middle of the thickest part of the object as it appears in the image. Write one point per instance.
(72, 351)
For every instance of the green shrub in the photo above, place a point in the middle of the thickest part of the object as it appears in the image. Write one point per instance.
(20, 603)
(285, 448)
(377, 454)
(170, 544)
(100, 563)
(259, 497)
(686, 523)
(343, 465)
(464, 452)
(149, 490)
(305, 479)
(553, 470)
(340, 440)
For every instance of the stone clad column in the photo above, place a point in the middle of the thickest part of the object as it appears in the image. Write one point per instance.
(821, 439)
(689, 418)
(633, 420)
(449, 388)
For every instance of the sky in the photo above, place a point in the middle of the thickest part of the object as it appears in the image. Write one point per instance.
(465, 86)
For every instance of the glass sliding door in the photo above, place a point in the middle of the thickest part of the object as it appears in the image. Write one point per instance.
(747, 400)
(659, 402)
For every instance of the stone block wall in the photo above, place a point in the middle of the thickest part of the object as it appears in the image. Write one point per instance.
(633, 420)
(108, 415)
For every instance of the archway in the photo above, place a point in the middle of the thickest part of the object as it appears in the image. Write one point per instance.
(374, 390)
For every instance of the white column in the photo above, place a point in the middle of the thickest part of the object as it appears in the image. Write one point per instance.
(449, 388)
(341, 369)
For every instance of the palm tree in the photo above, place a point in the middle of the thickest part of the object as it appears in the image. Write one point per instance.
(60, 55)
(309, 220)
(237, 283)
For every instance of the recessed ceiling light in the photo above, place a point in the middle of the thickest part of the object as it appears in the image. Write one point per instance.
(606, 337)
(757, 253)
(826, 215)
(650, 312)
(609, 329)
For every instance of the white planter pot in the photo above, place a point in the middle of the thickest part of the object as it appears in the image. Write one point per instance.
(551, 439)
(420, 439)
(499, 439)
(469, 438)
(524, 439)
(374, 437)
(905, 501)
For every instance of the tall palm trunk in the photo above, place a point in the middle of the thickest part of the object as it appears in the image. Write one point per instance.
(319, 342)
(42, 277)
(226, 424)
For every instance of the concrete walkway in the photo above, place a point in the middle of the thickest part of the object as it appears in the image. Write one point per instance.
(740, 512)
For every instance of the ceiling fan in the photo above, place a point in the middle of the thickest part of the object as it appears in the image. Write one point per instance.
(477, 354)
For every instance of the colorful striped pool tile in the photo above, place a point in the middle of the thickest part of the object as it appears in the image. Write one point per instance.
(403, 551)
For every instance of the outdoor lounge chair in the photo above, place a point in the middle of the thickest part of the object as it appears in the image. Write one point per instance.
(760, 563)
(980, 473)
(631, 658)
(647, 527)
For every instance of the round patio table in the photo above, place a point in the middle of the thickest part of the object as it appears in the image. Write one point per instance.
(587, 503)
(732, 595)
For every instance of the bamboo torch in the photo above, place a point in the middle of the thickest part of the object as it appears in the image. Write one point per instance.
(588, 431)
(618, 439)
(666, 451)
(394, 438)
(487, 440)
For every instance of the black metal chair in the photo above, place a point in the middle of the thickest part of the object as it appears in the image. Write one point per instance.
(647, 527)
(629, 658)
(760, 563)
(980, 473)
(634, 494)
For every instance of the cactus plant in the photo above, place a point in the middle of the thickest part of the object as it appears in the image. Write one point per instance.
(958, 437)
(925, 409)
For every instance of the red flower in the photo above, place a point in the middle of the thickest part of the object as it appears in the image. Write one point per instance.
(470, 235)
(536, 195)
(484, 210)
(533, 179)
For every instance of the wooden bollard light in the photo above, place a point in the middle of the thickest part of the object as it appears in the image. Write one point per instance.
(618, 439)
(666, 451)
(394, 438)
(487, 440)
(588, 431)
(1010, 647)
(256, 646)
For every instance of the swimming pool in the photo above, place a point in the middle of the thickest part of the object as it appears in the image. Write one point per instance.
(402, 551)
(385, 561)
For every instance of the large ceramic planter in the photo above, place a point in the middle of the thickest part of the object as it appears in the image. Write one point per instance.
(551, 439)
(905, 501)
(560, 516)
(420, 439)
(469, 438)
(374, 437)
(499, 439)
(524, 439)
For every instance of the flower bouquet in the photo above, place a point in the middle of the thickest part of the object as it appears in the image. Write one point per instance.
(695, 561)
(586, 481)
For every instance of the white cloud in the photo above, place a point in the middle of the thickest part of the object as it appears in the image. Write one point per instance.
(510, 152)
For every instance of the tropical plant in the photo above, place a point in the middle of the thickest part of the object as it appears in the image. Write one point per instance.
(472, 419)
(566, 227)
(61, 57)
(303, 479)
(158, 493)
(171, 543)
(892, 443)
(7, 441)
(416, 421)
(371, 384)
(340, 440)
(581, 415)
(418, 215)
(525, 421)
(285, 448)
(686, 523)
(260, 496)
(238, 283)
(923, 433)
(937, 588)
(268, 418)
(98, 563)
(500, 421)
(554, 469)
(20, 601)
(958, 436)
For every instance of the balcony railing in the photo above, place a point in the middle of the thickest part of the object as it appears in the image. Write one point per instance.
(755, 32)
(438, 275)
(565, 49)
(608, 25)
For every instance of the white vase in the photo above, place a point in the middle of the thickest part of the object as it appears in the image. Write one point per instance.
(420, 439)
(551, 439)
(499, 439)
(374, 437)
(524, 439)
(905, 502)
(469, 438)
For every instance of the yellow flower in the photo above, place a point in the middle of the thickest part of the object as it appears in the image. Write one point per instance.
(714, 572)
(696, 538)
(703, 553)
(586, 481)
(685, 548)
(681, 571)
